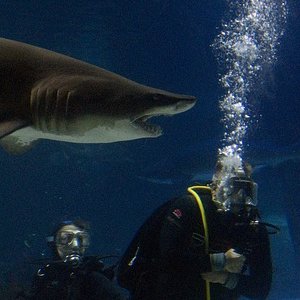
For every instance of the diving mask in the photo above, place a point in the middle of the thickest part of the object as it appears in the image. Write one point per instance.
(242, 191)
(67, 238)
(241, 198)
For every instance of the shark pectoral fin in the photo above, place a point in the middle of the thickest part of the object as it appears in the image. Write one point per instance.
(9, 126)
(13, 145)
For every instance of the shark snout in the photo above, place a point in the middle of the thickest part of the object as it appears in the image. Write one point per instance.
(178, 103)
(166, 104)
(185, 104)
(168, 98)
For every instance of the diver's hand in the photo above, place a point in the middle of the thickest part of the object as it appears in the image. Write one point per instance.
(234, 261)
(215, 277)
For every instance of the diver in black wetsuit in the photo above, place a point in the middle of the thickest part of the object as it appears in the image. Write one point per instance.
(185, 252)
(71, 275)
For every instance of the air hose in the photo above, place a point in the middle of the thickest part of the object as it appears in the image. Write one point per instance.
(191, 190)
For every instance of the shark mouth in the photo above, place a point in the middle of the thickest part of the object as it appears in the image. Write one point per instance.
(142, 123)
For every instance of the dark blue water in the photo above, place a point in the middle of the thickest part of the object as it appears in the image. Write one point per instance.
(165, 44)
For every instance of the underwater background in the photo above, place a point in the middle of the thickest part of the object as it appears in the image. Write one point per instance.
(164, 44)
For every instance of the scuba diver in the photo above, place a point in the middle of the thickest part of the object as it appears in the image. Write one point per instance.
(71, 275)
(200, 246)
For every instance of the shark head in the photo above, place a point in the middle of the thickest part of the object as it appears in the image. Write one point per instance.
(127, 118)
(154, 104)
(93, 110)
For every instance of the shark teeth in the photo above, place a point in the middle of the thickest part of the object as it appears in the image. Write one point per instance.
(151, 128)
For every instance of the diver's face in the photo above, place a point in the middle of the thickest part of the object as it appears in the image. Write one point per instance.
(71, 240)
(237, 202)
(241, 195)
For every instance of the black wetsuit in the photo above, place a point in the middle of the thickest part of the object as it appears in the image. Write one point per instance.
(60, 281)
(174, 267)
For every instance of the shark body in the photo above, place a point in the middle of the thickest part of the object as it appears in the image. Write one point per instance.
(47, 95)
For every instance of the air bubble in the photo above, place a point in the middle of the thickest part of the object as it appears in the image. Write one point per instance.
(246, 44)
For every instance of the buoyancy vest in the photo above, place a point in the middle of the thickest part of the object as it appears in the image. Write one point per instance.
(140, 257)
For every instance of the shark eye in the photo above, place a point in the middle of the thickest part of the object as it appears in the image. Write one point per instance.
(155, 97)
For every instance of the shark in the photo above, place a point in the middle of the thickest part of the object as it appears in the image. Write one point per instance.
(48, 95)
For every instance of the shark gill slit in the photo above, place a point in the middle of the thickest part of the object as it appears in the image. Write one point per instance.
(48, 107)
(44, 114)
(61, 108)
(55, 116)
(42, 107)
(66, 110)
(34, 101)
(32, 106)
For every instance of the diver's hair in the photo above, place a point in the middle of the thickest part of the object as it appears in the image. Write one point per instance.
(80, 223)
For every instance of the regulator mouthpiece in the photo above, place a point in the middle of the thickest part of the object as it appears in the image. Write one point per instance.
(73, 259)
